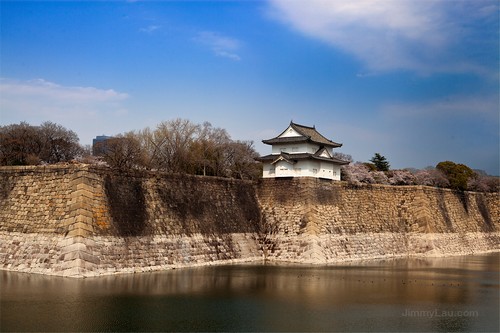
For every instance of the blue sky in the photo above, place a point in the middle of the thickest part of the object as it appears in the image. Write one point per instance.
(417, 81)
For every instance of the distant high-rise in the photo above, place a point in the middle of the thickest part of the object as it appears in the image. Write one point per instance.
(99, 145)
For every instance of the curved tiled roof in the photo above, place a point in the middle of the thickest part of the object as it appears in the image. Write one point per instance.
(299, 156)
(308, 134)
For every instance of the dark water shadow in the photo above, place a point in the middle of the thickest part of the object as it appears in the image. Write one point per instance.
(447, 294)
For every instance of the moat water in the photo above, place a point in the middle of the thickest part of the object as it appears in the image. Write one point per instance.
(446, 294)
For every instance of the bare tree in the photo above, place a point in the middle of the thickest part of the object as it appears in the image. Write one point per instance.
(19, 144)
(208, 150)
(23, 144)
(172, 141)
(58, 143)
(342, 156)
(146, 142)
(181, 146)
(123, 152)
(241, 163)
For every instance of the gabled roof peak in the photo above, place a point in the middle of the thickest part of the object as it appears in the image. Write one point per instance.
(305, 134)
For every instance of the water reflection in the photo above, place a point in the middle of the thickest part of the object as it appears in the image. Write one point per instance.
(458, 293)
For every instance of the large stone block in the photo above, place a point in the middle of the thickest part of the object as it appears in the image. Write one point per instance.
(74, 247)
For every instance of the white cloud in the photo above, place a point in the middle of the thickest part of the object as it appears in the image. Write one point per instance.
(221, 46)
(150, 29)
(476, 106)
(424, 36)
(89, 111)
(39, 88)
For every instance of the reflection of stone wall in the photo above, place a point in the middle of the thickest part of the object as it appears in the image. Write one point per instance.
(84, 221)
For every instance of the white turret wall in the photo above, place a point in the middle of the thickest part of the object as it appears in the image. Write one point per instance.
(295, 148)
(307, 168)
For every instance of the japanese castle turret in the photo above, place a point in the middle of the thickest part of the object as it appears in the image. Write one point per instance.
(301, 151)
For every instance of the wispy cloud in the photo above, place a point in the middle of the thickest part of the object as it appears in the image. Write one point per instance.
(448, 107)
(221, 46)
(150, 29)
(424, 36)
(87, 110)
(40, 88)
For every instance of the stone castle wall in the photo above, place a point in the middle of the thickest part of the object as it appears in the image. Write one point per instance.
(86, 221)
(315, 221)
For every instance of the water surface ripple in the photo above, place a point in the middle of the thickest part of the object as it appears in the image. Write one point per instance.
(443, 294)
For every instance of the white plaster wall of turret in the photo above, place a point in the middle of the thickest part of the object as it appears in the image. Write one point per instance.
(306, 168)
(295, 148)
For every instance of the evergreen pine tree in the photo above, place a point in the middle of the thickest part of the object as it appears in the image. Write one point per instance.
(380, 162)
